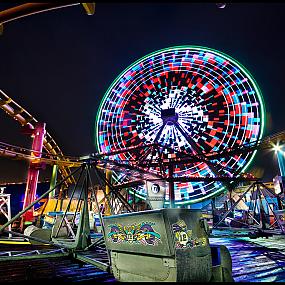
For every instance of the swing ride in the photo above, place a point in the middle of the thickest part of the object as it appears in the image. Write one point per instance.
(175, 130)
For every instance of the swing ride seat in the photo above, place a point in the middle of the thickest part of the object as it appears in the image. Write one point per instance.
(164, 245)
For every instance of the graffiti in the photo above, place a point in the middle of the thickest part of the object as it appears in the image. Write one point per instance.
(142, 233)
(184, 238)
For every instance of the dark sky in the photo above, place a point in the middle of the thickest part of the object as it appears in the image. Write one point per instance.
(59, 64)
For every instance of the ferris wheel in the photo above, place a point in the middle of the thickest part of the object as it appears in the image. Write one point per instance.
(192, 99)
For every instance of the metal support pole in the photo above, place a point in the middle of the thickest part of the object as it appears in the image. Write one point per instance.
(171, 187)
(36, 201)
(53, 180)
(33, 173)
(78, 205)
(108, 190)
(233, 206)
(134, 199)
(261, 209)
(5, 208)
(69, 202)
(106, 197)
(83, 232)
(98, 242)
(252, 206)
(272, 210)
(100, 215)
(119, 196)
(230, 196)
(9, 214)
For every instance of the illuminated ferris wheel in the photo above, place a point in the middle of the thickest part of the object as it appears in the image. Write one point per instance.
(189, 98)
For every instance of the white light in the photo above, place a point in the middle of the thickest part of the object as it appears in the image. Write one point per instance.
(278, 148)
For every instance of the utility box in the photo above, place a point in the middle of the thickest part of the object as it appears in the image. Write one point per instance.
(160, 245)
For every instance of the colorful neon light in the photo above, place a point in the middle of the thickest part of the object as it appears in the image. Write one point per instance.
(193, 99)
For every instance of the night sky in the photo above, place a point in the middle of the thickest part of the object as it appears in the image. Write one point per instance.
(59, 64)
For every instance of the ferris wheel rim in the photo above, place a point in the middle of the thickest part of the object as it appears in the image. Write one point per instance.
(223, 55)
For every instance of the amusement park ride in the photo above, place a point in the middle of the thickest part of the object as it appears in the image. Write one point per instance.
(174, 131)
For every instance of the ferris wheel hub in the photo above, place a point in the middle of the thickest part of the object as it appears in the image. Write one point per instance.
(169, 116)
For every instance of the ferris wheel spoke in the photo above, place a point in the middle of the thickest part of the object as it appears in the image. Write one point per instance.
(159, 133)
(188, 138)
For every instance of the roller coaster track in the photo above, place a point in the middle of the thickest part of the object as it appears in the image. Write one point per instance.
(13, 109)
(28, 9)
(19, 114)
(20, 153)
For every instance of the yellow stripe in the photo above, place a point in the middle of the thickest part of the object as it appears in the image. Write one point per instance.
(14, 242)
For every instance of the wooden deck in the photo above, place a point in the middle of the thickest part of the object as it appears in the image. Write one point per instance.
(56, 269)
(254, 260)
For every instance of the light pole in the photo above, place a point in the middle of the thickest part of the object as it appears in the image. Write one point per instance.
(280, 153)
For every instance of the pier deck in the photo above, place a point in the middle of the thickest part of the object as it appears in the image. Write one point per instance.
(254, 260)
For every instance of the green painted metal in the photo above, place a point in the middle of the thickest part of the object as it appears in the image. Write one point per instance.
(88, 260)
(223, 270)
(162, 245)
(53, 180)
(82, 239)
(35, 202)
(69, 203)
(31, 238)
(35, 256)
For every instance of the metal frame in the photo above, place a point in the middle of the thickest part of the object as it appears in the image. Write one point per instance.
(5, 201)
(256, 197)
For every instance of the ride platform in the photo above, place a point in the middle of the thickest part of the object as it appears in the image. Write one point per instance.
(253, 260)
(59, 268)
